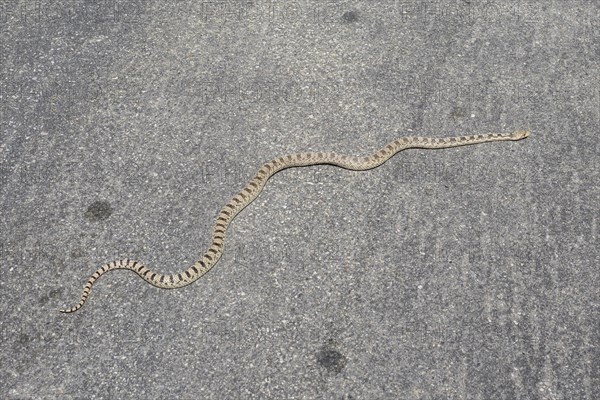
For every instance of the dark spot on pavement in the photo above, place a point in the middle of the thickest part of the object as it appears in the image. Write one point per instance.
(350, 16)
(54, 294)
(458, 112)
(77, 252)
(23, 339)
(98, 211)
(331, 359)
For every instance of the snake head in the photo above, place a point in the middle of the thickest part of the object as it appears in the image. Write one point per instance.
(520, 134)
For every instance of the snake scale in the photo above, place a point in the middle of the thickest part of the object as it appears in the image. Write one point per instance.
(255, 186)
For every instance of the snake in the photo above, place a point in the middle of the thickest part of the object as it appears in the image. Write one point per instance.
(254, 187)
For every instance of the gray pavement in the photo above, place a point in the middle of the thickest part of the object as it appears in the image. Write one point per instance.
(465, 273)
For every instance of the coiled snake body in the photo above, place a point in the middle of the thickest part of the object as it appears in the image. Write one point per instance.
(255, 186)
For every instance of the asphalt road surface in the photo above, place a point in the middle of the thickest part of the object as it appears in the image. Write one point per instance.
(463, 273)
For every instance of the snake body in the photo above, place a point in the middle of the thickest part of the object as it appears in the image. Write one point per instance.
(255, 186)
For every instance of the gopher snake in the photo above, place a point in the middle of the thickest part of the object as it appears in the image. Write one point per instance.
(255, 186)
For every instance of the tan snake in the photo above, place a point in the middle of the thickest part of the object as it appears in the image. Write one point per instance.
(255, 186)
